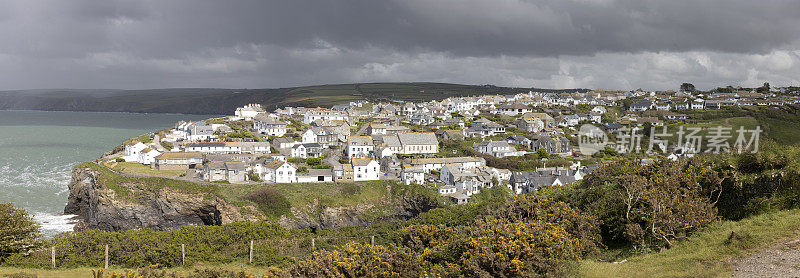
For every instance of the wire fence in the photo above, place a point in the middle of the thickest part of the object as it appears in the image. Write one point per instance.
(258, 252)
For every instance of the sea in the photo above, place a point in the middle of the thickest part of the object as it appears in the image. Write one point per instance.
(38, 150)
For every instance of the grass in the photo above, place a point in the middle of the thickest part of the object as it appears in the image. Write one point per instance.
(120, 185)
(705, 254)
(300, 195)
(137, 168)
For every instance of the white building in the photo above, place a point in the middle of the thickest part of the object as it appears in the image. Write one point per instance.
(277, 171)
(359, 147)
(365, 169)
(248, 112)
(269, 126)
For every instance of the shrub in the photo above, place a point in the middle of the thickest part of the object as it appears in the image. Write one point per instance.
(359, 260)
(120, 159)
(269, 201)
(18, 232)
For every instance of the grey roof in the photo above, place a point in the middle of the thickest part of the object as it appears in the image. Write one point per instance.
(206, 145)
(320, 172)
(425, 138)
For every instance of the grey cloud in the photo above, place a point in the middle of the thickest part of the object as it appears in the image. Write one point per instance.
(256, 43)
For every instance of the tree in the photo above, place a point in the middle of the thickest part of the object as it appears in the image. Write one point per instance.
(542, 153)
(687, 87)
(764, 88)
(18, 232)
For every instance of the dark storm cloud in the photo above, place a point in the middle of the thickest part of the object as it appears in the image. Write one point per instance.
(157, 43)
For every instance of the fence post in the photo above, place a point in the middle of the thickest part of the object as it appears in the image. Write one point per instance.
(106, 256)
(313, 244)
(183, 254)
(53, 256)
(372, 240)
(251, 251)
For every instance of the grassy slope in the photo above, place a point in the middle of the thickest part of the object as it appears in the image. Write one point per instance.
(705, 254)
(298, 194)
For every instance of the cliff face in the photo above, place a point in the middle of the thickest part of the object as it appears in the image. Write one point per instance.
(142, 206)
(99, 207)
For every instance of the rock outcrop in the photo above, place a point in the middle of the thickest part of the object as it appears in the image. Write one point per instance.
(99, 207)
(131, 204)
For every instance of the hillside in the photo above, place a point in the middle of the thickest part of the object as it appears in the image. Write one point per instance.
(210, 101)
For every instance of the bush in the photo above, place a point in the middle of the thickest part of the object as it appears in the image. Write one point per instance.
(18, 232)
(120, 159)
(269, 201)
(650, 204)
(136, 248)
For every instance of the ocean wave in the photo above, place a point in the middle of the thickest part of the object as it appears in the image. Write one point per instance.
(53, 224)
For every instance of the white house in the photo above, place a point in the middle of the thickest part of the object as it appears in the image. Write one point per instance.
(359, 147)
(148, 156)
(365, 169)
(278, 172)
(269, 126)
(411, 175)
(132, 152)
(599, 110)
(496, 148)
(248, 112)
(324, 114)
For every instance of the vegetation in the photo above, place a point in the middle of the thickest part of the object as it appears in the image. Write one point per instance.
(18, 232)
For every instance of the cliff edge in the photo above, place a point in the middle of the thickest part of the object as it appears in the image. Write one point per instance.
(103, 204)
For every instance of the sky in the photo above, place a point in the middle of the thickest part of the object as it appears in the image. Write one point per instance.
(609, 44)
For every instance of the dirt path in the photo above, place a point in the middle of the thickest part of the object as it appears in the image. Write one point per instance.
(780, 260)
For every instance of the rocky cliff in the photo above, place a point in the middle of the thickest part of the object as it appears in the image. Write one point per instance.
(113, 203)
(100, 207)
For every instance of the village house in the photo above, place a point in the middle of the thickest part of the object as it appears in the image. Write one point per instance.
(519, 139)
(483, 128)
(232, 171)
(316, 175)
(411, 174)
(277, 171)
(365, 169)
(639, 106)
(552, 144)
(531, 181)
(322, 135)
(284, 142)
(200, 132)
(248, 112)
(324, 114)
(513, 109)
(306, 150)
(269, 126)
(177, 161)
(495, 148)
(381, 129)
(436, 163)
(343, 173)
(359, 147)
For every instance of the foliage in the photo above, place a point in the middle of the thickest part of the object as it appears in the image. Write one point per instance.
(135, 248)
(167, 145)
(359, 260)
(18, 232)
(269, 201)
(655, 203)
